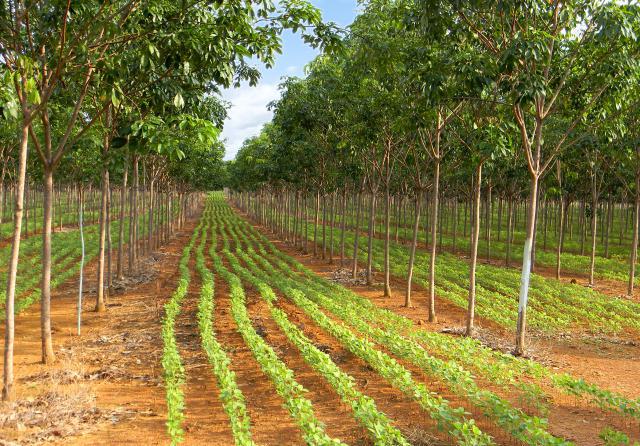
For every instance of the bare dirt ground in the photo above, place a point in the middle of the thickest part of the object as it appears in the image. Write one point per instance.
(106, 386)
(107, 389)
(612, 363)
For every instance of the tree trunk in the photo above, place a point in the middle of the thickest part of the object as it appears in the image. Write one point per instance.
(100, 304)
(123, 192)
(560, 235)
(356, 237)
(82, 248)
(594, 223)
(12, 268)
(609, 222)
(342, 226)
(331, 225)
(316, 221)
(387, 234)
(475, 233)
(372, 222)
(526, 268)
(48, 356)
(435, 199)
(509, 231)
(412, 253)
(634, 244)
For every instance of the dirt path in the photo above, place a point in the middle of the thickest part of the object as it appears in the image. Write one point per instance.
(106, 387)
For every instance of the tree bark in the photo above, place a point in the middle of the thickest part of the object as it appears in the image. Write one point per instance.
(387, 234)
(475, 235)
(12, 269)
(48, 356)
(123, 192)
(526, 268)
(435, 201)
(412, 253)
(100, 304)
(356, 236)
(372, 216)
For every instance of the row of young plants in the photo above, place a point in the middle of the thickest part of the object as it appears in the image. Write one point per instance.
(364, 409)
(615, 267)
(65, 259)
(500, 368)
(173, 369)
(287, 387)
(231, 396)
(554, 306)
(531, 430)
(453, 421)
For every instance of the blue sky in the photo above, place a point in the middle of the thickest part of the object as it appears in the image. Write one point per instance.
(248, 111)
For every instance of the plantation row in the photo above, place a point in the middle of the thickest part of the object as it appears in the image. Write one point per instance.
(554, 306)
(66, 259)
(287, 214)
(507, 403)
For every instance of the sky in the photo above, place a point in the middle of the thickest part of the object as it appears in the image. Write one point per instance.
(248, 112)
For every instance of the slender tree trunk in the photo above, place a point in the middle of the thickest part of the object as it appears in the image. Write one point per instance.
(594, 223)
(475, 233)
(100, 304)
(609, 222)
(526, 269)
(372, 222)
(12, 268)
(412, 252)
(387, 234)
(123, 192)
(316, 221)
(324, 226)
(48, 356)
(634, 244)
(509, 231)
(342, 225)
(583, 227)
(561, 218)
(432, 260)
(108, 222)
(455, 225)
(356, 237)
(82, 254)
(331, 225)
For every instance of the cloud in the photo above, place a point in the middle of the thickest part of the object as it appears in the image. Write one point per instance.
(247, 115)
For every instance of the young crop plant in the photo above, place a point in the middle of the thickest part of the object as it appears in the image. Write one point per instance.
(505, 370)
(230, 394)
(283, 378)
(364, 408)
(451, 420)
(173, 369)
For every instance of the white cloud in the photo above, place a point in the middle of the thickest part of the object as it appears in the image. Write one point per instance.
(247, 115)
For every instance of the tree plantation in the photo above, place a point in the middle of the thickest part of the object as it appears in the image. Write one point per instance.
(431, 240)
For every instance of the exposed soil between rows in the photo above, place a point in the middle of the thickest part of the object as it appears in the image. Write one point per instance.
(271, 423)
(110, 376)
(609, 362)
(205, 422)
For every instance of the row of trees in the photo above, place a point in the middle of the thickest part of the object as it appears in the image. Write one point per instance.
(93, 92)
(518, 101)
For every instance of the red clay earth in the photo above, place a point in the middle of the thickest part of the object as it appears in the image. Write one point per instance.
(116, 363)
(611, 363)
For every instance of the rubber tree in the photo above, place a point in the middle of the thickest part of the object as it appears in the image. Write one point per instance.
(556, 66)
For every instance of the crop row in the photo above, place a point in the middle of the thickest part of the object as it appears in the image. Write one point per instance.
(529, 429)
(499, 368)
